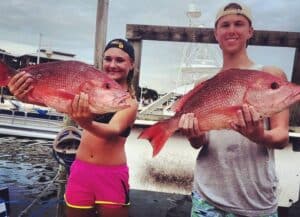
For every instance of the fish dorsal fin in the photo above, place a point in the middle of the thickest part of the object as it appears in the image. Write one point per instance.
(177, 106)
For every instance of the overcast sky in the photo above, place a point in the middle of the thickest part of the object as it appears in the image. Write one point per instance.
(69, 26)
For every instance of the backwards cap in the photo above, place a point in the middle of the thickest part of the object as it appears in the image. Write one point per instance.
(234, 8)
(121, 44)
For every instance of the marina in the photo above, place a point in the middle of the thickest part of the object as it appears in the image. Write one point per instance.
(34, 179)
(165, 179)
(29, 121)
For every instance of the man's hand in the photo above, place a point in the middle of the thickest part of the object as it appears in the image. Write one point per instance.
(188, 124)
(250, 124)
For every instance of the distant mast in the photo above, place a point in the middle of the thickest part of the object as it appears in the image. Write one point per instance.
(193, 13)
(199, 60)
(39, 49)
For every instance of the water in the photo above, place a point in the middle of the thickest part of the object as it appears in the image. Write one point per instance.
(27, 167)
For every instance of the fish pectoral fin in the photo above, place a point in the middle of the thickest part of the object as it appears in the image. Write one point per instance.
(60, 93)
(58, 103)
(228, 113)
(59, 99)
(227, 110)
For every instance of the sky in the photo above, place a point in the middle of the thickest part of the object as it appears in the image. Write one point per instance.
(69, 26)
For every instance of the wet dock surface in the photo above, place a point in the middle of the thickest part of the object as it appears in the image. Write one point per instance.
(147, 203)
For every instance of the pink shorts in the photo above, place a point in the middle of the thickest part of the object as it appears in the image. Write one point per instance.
(90, 184)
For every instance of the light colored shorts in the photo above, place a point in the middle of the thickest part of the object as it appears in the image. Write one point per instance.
(90, 184)
(200, 208)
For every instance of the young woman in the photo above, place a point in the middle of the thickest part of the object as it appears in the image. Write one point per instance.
(99, 175)
(235, 171)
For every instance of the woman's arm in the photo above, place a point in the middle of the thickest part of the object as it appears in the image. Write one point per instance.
(118, 124)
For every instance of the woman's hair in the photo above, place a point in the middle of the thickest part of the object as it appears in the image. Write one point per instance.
(130, 84)
(127, 48)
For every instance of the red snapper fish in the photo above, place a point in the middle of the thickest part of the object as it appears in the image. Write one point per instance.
(56, 83)
(216, 101)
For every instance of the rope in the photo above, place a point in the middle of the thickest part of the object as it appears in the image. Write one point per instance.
(27, 209)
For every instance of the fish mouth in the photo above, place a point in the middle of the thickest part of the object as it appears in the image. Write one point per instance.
(122, 101)
(294, 97)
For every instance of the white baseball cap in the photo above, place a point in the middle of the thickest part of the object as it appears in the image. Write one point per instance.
(234, 8)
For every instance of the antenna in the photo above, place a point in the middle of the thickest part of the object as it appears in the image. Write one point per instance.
(39, 48)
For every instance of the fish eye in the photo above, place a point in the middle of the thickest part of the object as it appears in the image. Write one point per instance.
(274, 85)
(107, 86)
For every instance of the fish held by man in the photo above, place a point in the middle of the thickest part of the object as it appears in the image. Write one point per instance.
(55, 85)
(216, 101)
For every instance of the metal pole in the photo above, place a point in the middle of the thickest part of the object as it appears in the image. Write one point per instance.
(39, 49)
(101, 29)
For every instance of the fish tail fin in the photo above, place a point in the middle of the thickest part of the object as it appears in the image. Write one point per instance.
(5, 72)
(158, 134)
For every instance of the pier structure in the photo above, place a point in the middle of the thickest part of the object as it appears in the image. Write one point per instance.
(199, 61)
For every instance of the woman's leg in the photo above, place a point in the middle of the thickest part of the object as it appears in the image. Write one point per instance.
(104, 211)
(75, 212)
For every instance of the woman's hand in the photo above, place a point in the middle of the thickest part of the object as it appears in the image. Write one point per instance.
(188, 124)
(79, 110)
(250, 124)
(20, 85)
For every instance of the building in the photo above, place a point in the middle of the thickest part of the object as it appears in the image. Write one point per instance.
(43, 56)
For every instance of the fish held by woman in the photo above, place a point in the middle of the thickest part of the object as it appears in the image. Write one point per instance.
(56, 84)
(215, 102)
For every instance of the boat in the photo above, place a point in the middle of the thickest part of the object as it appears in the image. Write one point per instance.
(26, 120)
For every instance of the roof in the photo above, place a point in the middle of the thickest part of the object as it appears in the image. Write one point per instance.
(48, 54)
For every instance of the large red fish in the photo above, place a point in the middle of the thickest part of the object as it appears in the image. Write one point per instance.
(215, 102)
(56, 83)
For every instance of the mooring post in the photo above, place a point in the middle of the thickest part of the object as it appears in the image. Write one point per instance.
(60, 209)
